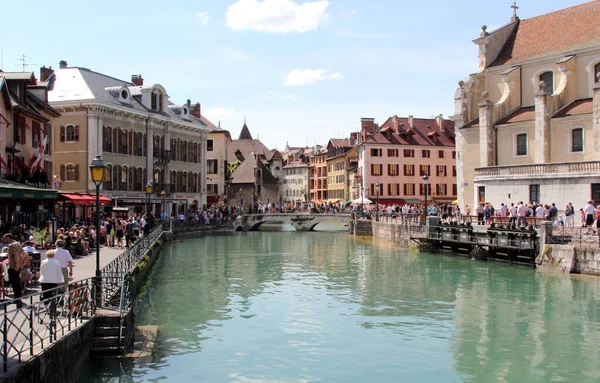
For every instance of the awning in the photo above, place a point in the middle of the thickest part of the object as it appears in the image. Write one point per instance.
(16, 192)
(84, 199)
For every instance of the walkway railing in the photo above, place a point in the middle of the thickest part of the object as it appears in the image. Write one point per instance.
(574, 236)
(43, 319)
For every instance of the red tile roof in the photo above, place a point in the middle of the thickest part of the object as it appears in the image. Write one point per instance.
(567, 30)
(583, 106)
(526, 113)
(396, 131)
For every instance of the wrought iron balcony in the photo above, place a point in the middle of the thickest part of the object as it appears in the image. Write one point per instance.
(161, 156)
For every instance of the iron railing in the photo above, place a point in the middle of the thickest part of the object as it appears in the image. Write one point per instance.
(574, 236)
(43, 319)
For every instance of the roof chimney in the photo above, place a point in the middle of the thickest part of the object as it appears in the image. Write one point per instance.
(410, 122)
(137, 80)
(62, 64)
(367, 127)
(45, 73)
(440, 121)
(196, 111)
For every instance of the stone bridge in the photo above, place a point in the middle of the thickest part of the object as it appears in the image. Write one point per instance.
(300, 222)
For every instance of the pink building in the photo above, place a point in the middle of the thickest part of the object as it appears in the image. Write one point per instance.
(400, 152)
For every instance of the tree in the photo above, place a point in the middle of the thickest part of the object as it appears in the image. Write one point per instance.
(232, 166)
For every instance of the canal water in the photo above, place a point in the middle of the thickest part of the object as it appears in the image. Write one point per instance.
(322, 307)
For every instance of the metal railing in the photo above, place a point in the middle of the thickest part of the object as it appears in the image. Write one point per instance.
(574, 236)
(43, 319)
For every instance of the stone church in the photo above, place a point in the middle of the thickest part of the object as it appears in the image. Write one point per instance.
(528, 121)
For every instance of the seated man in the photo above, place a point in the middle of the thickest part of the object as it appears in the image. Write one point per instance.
(28, 247)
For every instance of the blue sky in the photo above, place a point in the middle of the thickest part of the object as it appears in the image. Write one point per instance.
(299, 71)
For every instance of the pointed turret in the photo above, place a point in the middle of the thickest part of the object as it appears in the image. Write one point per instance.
(245, 133)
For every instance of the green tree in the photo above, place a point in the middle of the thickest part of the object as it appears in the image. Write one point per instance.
(232, 166)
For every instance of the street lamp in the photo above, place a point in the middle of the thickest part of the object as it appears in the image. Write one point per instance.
(97, 168)
(425, 179)
(163, 215)
(377, 202)
(149, 188)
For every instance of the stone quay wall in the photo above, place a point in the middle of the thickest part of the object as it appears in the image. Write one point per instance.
(570, 259)
(393, 232)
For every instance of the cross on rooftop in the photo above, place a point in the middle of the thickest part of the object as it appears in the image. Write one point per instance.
(514, 7)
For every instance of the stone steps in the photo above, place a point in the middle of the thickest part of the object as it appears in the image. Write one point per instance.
(363, 227)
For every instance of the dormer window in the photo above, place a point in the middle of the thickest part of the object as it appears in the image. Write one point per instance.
(548, 79)
(185, 111)
(124, 95)
(156, 100)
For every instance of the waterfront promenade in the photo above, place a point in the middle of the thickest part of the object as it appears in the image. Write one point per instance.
(84, 267)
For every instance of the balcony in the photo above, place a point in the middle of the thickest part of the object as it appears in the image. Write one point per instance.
(161, 157)
(159, 187)
(552, 170)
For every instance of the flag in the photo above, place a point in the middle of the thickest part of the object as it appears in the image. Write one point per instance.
(3, 164)
(39, 155)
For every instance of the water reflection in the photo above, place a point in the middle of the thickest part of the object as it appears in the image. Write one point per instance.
(304, 307)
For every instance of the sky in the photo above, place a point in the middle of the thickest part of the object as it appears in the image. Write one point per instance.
(299, 72)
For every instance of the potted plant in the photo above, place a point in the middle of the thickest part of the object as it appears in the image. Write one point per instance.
(39, 237)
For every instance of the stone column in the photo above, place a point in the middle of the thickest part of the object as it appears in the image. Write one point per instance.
(542, 125)
(596, 118)
(460, 102)
(486, 138)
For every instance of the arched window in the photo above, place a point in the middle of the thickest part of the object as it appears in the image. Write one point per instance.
(69, 133)
(190, 183)
(173, 182)
(195, 152)
(140, 145)
(69, 172)
(577, 140)
(195, 182)
(174, 149)
(139, 179)
(190, 152)
(596, 72)
(184, 152)
(156, 144)
(123, 178)
(548, 78)
(184, 183)
(130, 178)
(156, 100)
(107, 185)
(107, 139)
(123, 141)
(521, 144)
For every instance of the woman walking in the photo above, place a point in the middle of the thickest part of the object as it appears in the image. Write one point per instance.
(120, 227)
(51, 276)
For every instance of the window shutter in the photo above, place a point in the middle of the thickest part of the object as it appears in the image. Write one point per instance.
(63, 173)
(372, 169)
(76, 172)
(445, 171)
(76, 130)
(130, 180)
(428, 169)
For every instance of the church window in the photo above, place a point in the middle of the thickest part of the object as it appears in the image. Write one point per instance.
(522, 144)
(548, 78)
(577, 140)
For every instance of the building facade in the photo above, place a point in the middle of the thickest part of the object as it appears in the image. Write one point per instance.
(393, 159)
(528, 121)
(337, 169)
(26, 120)
(318, 176)
(216, 165)
(142, 137)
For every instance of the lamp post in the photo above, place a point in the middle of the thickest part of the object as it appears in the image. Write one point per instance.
(97, 168)
(149, 188)
(377, 202)
(163, 214)
(425, 179)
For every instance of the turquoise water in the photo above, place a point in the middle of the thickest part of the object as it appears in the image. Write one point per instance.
(322, 307)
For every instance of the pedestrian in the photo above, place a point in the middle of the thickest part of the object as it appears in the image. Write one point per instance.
(15, 251)
(63, 256)
(51, 276)
(590, 211)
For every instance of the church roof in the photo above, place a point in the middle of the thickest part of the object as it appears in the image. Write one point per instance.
(577, 107)
(565, 31)
(424, 132)
(245, 133)
(246, 147)
(525, 113)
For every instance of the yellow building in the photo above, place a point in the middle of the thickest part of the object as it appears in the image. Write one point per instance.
(337, 169)
(142, 136)
(216, 157)
(528, 121)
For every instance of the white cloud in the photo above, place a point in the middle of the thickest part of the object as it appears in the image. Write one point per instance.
(277, 16)
(289, 97)
(351, 13)
(203, 17)
(298, 77)
(218, 114)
